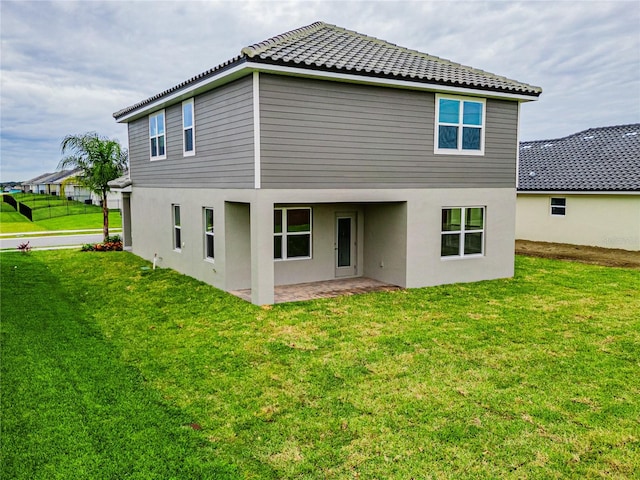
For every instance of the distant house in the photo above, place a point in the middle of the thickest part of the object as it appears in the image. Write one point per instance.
(34, 184)
(583, 189)
(64, 184)
(323, 153)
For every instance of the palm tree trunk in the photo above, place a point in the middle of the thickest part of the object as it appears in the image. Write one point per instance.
(105, 217)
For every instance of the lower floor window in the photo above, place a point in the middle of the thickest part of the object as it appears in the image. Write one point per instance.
(462, 231)
(208, 234)
(291, 233)
(177, 231)
(558, 206)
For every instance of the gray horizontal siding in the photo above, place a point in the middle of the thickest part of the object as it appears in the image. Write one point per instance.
(224, 143)
(320, 134)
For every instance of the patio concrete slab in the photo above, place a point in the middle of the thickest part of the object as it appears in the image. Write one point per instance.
(325, 289)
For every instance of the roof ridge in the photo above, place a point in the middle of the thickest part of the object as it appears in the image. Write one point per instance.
(581, 132)
(257, 48)
(427, 56)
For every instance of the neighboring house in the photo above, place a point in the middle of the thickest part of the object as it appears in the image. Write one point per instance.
(33, 185)
(46, 184)
(583, 189)
(63, 184)
(323, 153)
(121, 187)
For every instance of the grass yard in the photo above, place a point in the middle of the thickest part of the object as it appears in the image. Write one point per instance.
(108, 366)
(12, 222)
(82, 221)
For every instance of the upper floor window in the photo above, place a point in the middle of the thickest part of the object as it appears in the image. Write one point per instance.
(208, 234)
(459, 125)
(558, 206)
(157, 136)
(188, 128)
(292, 233)
(462, 232)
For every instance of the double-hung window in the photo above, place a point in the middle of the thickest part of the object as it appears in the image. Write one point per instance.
(558, 207)
(291, 233)
(177, 229)
(157, 136)
(188, 128)
(462, 232)
(208, 234)
(459, 125)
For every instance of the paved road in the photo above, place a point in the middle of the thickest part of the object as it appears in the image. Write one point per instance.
(57, 241)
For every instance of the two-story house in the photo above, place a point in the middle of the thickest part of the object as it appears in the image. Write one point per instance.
(324, 153)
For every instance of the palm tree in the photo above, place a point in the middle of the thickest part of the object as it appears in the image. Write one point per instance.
(100, 160)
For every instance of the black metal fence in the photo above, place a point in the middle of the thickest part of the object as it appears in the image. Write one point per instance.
(10, 200)
(26, 211)
(50, 206)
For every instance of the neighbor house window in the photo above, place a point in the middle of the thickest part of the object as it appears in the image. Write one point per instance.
(188, 132)
(208, 234)
(459, 125)
(157, 136)
(462, 232)
(177, 231)
(558, 206)
(292, 233)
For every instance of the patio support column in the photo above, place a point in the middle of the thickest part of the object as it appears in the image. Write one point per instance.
(262, 276)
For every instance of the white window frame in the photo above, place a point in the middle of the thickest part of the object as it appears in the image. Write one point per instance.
(152, 117)
(562, 208)
(459, 150)
(463, 231)
(185, 152)
(208, 233)
(284, 234)
(177, 227)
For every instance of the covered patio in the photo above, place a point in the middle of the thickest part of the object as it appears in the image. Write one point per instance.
(323, 289)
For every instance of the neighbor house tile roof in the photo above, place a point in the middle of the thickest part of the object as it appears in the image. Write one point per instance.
(603, 159)
(324, 47)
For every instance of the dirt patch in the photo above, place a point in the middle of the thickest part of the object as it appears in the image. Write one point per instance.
(609, 257)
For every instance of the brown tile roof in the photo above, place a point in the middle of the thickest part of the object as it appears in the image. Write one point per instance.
(328, 47)
(324, 47)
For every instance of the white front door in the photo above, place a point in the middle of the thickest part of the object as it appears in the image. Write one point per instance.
(345, 245)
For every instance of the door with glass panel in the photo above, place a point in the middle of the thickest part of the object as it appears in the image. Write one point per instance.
(345, 245)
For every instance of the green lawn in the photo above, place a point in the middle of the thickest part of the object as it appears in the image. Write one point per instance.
(12, 222)
(83, 221)
(106, 364)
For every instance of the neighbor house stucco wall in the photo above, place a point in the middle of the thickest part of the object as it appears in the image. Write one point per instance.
(604, 220)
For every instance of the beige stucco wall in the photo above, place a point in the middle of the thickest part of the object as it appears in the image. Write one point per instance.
(398, 235)
(610, 221)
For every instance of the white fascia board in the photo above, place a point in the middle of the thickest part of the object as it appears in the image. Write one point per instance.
(245, 68)
(581, 192)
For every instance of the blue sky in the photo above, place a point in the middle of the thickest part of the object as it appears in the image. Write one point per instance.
(67, 66)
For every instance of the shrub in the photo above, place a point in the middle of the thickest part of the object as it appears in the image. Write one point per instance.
(112, 243)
